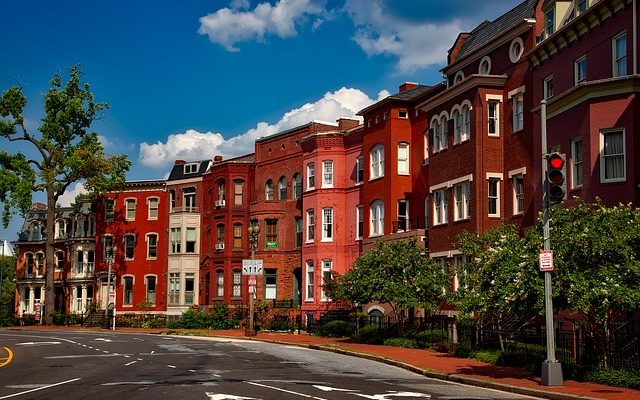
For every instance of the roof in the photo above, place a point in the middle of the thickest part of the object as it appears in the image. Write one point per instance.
(488, 31)
(177, 172)
(406, 96)
(297, 128)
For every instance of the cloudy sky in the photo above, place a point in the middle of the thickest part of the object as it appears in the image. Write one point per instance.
(193, 79)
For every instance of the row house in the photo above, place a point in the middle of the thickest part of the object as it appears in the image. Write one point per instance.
(132, 241)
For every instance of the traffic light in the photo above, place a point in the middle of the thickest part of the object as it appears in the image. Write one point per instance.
(555, 177)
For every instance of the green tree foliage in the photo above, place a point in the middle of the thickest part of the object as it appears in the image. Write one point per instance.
(397, 273)
(65, 150)
(8, 266)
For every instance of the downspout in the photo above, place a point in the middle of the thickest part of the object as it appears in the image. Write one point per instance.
(635, 38)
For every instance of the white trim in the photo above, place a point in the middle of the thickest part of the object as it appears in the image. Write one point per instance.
(484, 59)
(516, 57)
(515, 91)
(497, 97)
(519, 171)
(455, 252)
(624, 155)
(439, 254)
(494, 175)
(461, 179)
(439, 186)
(459, 75)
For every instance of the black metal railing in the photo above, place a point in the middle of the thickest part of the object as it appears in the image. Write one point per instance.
(409, 224)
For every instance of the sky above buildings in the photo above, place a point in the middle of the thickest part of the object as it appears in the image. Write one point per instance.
(194, 79)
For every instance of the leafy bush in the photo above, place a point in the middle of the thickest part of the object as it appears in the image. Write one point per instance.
(615, 377)
(402, 342)
(430, 337)
(337, 328)
(371, 334)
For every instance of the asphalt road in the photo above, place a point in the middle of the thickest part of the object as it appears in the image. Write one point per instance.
(105, 365)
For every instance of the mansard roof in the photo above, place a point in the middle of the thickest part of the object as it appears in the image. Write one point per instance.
(404, 96)
(177, 172)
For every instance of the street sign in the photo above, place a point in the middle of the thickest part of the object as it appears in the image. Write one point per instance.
(252, 289)
(546, 260)
(252, 280)
(251, 267)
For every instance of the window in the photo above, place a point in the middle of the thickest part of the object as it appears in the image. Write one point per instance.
(190, 245)
(91, 261)
(129, 246)
(189, 199)
(311, 225)
(327, 224)
(108, 210)
(581, 6)
(435, 129)
(403, 215)
(311, 176)
(425, 138)
(109, 250)
(219, 283)
(518, 112)
(550, 21)
(219, 235)
(377, 162)
(377, 119)
(191, 168)
(580, 69)
(494, 197)
(174, 288)
(189, 288)
(516, 49)
(457, 126)
(221, 192)
(59, 261)
(327, 174)
(359, 170)
(403, 114)
(466, 123)
(440, 204)
(612, 160)
(444, 131)
(298, 232)
(484, 68)
(461, 193)
(237, 236)
(297, 186)
(236, 289)
(270, 282)
(79, 261)
(547, 89)
(494, 115)
(61, 230)
(172, 199)
(151, 289)
(326, 278)
(309, 294)
(620, 55)
(576, 163)
(462, 272)
(268, 190)
(385, 116)
(175, 240)
(359, 222)
(127, 291)
(403, 158)
(377, 219)
(152, 211)
(282, 188)
(152, 246)
(426, 203)
(271, 233)
(238, 190)
(518, 194)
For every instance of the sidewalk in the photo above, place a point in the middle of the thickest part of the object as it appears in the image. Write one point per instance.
(431, 364)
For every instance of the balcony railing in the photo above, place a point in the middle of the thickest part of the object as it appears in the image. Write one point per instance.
(409, 224)
(185, 209)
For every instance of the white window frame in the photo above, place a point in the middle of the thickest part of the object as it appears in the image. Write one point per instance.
(127, 302)
(515, 175)
(403, 217)
(550, 21)
(376, 226)
(435, 130)
(547, 87)
(495, 104)
(518, 112)
(327, 224)
(311, 176)
(516, 49)
(236, 283)
(219, 283)
(619, 67)
(130, 210)
(403, 114)
(327, 173)
(126, 245)
(153, 204)
(377, 162)
(425, 137)
(175, 240)
(149, 246)
(403, 159)
(444, 132)
(484, 66)
(269, 191)
(461, 194)
(440, 206)
(327, 267)
(359, 170)
(309, 292)
(577, 78)
(191, 168)
(494, 178)
(311, 226)
(456, 116)
(603, 156)
(155, 290)
(577, 163)
(359, 222)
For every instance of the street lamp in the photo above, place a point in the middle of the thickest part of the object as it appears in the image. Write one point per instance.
(253, 232)
(106, 324)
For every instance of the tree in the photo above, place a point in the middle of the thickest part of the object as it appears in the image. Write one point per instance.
(66, 152)
(396, 273)
(8, 267)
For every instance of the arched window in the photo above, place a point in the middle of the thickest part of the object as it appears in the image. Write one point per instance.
(466, 122)
(377, 161)
(268, 190)
(297, 186)
(282, 188)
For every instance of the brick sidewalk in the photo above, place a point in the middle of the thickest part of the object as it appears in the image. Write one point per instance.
(433, 364)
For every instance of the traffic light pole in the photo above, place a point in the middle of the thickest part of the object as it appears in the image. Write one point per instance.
(551, 368)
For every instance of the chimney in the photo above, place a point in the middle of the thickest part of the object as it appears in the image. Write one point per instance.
(347, 123)
(407, 86)
(178, 162)
(217, 159)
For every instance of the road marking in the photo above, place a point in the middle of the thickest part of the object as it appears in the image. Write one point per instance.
(171, 366)
(97, 349)
(138, 339)
(129, 363)
(35, 343)
(388, 395)
(220, 396)
(285, 390)
(40, 388)
(102, 339)
(104, 351)
(144, 383)
(192, 370)
(331, 389)
(81, 356)
(153, 351)
(6, 360)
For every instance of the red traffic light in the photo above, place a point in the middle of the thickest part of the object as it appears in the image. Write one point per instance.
(555, 177)
(555, 161)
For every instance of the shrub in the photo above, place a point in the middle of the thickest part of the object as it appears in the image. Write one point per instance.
(430, 337)
(615, 377)
(371, 334)
(337, 328)
(402, 342)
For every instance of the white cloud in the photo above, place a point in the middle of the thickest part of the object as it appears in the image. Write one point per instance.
(229, 26)
(194, 145)
(416, 44)
(69, 195)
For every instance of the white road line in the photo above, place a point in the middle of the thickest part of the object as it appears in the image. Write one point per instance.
(126, 356)
(40, 388)
(139, 359)
(171, 366)
(285, 390)
(153, 351)
(80, 356)
(192, 370)
(141, 340)
(97, 349)
(84, 345)
(129, 363)
(104, 351)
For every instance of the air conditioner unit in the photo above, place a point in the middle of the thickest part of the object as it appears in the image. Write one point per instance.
(219, 203)
(219, 246)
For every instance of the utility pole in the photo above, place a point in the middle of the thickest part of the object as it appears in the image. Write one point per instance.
(253, 232)
(107, 323)
(551, 368)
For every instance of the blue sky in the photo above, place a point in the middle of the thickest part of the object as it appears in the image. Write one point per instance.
(193, 79)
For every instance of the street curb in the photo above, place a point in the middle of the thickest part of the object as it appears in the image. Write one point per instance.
(433, 374)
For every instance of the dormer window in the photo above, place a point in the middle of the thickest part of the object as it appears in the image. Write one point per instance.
(485, 66)
(403, 114)
(581, 6)
(458, 77)
(550, 21)
(191, 168)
